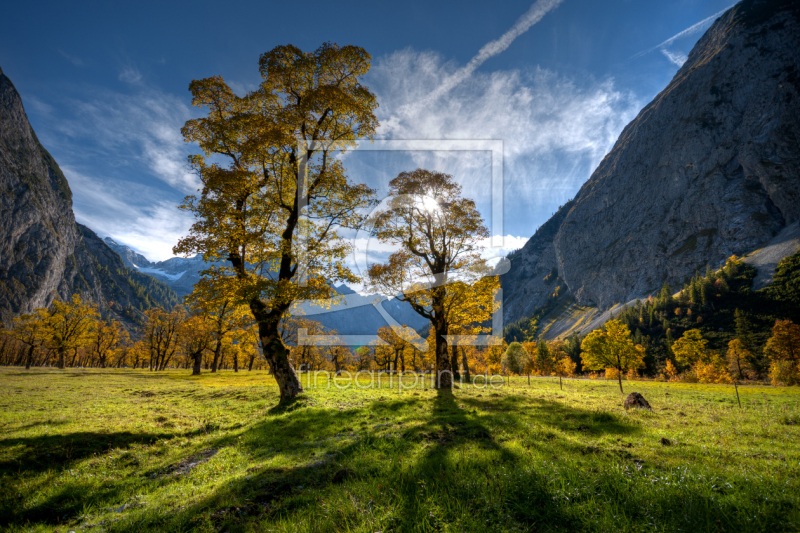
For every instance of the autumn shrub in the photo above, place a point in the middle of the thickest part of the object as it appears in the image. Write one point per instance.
(712, 372)
(671, 372)
(783, 372)
(613, 373)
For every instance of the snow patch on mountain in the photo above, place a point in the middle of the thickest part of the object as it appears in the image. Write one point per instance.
(158, 272)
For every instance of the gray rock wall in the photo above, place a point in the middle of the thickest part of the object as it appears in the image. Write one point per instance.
(44, 254)
(37, 226)
(710, 168)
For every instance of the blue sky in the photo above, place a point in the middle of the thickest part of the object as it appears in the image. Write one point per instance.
(105, 85)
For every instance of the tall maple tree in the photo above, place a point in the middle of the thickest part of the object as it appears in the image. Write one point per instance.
(437, 268)
(271, 210)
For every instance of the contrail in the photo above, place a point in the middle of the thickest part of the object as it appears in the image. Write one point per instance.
(694, 28)
(538, 10)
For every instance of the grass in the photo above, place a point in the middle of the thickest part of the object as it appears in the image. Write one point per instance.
(129, 451)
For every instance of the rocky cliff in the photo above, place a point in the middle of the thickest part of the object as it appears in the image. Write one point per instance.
(44, 254)
(710, 168)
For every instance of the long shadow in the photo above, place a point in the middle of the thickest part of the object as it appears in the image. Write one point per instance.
(463, 471)
(58, 452)
(328, 442)
(557, 415)
(335, 446)
(36, 424)
(457, 474)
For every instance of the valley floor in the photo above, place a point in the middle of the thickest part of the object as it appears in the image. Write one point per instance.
(94, 450)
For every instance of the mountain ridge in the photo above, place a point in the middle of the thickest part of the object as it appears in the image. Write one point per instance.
(708, 169)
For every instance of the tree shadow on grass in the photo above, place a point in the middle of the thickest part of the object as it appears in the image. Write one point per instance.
(45, 452)
(555, 414)
(460, 482)
(71, 499)
(39, 454)
(457, 473)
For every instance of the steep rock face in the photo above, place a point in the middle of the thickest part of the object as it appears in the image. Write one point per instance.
(710, 168)
(533, 274)
(37, 226)
(44, 254)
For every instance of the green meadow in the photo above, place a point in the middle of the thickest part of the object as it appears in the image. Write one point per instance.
(131, 451)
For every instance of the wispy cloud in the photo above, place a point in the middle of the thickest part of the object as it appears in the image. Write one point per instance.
(142, 128)
(72, 59)
(555, 129)
(125, 160)
(130, 75)
(241, 89)
(677, 57)
(128, 212)
(538, 10)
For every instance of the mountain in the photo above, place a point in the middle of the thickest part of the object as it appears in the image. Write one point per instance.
(356, 315)
(44, 253)
(708, 169)
(179, 273)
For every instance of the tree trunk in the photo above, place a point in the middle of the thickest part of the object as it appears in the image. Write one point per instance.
(619, 378)
(198, 361)
(252, 360)
(235, 362)
(466, 365)
(217, 350)
(454, 361)
(29, 357)
(61, 358)
(444, 376)
(275, 352)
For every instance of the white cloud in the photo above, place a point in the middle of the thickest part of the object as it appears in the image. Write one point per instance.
(538, 10)
(142, 128)
(125, 160)
(554, 130)
(129, 213)
(130, 75)
(677, 58)
(241, 89)
(510, 243)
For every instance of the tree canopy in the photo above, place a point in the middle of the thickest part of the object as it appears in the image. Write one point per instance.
(274, 194)
(612, 347)
(437, 267)
(516, 358)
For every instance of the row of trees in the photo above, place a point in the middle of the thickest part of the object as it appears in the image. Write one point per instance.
(72, 334)
(613, 349)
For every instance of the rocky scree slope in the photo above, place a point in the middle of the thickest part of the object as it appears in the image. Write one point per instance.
(44, 254)
(710, 168)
